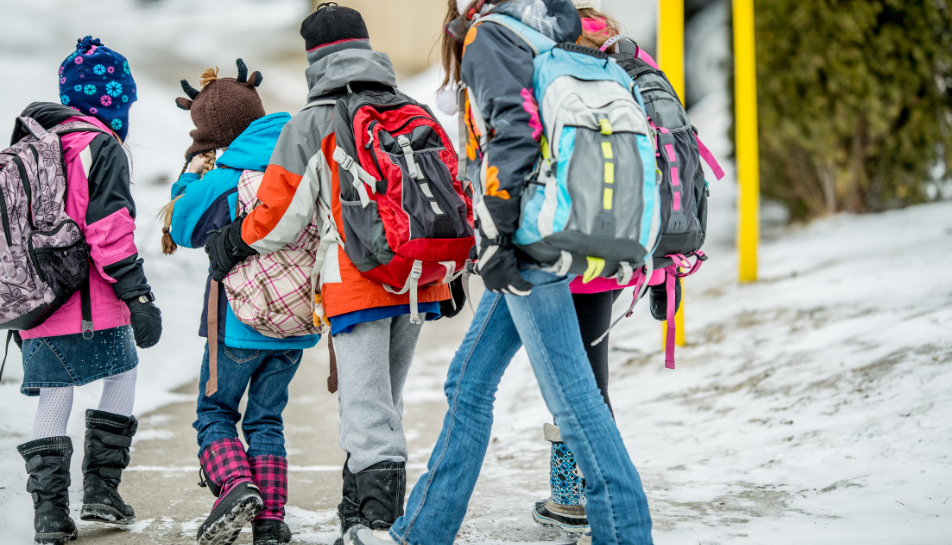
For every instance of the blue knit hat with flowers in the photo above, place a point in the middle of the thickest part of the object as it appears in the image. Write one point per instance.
(96, 80)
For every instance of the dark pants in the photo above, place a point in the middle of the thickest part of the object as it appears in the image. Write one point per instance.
(594, 311)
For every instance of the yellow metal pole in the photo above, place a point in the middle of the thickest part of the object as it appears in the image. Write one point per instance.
(671, 59)
(748, 153)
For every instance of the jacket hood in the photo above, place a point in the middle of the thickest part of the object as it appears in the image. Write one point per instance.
(557, 19)
(47, 114)
(252, 149)
(330, 75)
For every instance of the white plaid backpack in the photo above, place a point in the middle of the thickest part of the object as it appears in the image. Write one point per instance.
(273, 293)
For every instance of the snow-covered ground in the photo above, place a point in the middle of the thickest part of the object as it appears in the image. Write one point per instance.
(811, 406)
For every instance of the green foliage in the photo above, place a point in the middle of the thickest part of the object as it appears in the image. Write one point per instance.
(854, 99)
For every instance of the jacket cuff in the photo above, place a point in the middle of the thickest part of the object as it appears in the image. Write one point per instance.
(130, 278)
(179, 186)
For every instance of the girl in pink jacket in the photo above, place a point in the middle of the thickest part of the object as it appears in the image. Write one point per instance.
(96, 87)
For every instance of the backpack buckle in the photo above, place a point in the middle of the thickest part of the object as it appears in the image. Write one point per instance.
(415, 172)
(343, 159)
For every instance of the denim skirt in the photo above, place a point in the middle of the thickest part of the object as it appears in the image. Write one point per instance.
(71, 360)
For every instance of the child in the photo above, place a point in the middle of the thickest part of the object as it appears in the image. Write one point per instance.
(96, 87)
(249, 485)
(522, 304)
(374, 337)
(565, 508)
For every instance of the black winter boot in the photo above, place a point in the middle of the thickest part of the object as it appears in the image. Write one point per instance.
(381, 488)
(47, 463)
(108, 438)
(349, 509)
(270, 532)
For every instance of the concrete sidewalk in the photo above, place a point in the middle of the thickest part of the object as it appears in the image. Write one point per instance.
(161, 482)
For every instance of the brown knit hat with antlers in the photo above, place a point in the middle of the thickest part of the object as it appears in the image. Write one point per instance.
(222, 110)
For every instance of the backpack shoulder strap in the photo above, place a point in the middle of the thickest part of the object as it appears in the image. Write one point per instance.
(537, 41)
(320, 102)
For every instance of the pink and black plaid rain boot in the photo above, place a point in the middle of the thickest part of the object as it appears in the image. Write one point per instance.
(271, 475)
(228, 476)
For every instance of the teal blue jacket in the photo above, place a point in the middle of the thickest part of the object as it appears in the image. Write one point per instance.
(209, 203)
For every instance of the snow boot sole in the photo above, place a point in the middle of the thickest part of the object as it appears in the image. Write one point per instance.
(55, 538)
(104, 513)
(225, 526)
(570, 527)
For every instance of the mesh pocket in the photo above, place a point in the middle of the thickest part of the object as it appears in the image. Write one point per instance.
(61, 258)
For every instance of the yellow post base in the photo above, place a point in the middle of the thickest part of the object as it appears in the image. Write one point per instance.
(679, 337)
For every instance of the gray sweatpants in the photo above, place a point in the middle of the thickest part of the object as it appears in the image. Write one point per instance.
(372, 365)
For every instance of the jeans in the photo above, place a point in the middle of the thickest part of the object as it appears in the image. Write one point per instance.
(545, 322)
(269, 372)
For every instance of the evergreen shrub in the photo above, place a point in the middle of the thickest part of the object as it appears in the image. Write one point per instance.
(854, 99)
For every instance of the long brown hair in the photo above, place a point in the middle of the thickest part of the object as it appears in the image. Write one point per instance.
(598, 39)
(451, 49)
(452, 45)
(165, 213)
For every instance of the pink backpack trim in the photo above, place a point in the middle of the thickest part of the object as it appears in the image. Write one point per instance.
(671, 272)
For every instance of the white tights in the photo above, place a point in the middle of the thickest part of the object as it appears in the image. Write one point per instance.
(52, 414)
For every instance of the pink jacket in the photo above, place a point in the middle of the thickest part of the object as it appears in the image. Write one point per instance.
(599, 285)
(98, 199)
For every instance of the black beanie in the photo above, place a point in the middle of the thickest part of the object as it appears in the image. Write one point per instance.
(332, 28)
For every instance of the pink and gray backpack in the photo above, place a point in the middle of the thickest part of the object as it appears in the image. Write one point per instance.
(44, 259)
(679, 152)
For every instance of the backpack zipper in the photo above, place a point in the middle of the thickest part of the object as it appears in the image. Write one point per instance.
(5, 218)
(25, 181)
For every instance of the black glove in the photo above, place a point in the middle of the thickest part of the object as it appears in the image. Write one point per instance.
(501, 272)
(225, 249)
(658, 299)
(454, 305)
(146, 320)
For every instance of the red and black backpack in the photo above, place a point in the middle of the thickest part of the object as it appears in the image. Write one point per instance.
(407, 219)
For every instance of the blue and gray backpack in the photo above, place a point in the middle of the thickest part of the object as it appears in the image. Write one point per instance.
(591, 206)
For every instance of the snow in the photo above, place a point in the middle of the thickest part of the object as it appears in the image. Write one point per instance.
(810, 406)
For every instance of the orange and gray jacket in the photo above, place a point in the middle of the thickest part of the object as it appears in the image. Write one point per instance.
(302, 172)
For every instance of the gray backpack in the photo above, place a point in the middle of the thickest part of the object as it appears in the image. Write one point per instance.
(591, 207)
(43, 256)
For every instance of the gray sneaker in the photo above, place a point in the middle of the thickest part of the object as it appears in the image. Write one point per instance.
(361, 535)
